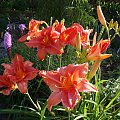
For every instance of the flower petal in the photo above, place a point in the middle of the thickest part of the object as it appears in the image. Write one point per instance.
(103, 44)
(68, 36)
(33, 43)
(105, 56)
(70, 98)
(60, 27)
(78, 27)
(85, 86)
(28, 63)
(6, 83)
(22, 86)
(80, 72)
(54, 99)
(77, 71)
(18, 62)
(41, 53)
(23, 38)
(51, 79)
(34, 24)
(55, 48)
(31, 75)
(6, 92)
(67, 70)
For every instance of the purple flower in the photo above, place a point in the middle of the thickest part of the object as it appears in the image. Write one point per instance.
(9, 27)
(7, 40)
(22, 27)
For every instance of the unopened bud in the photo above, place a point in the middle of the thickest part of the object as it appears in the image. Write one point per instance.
(119, 28)
(101, 16)
(94, 38)
(78, 42)
(111, 25)
(116, 26)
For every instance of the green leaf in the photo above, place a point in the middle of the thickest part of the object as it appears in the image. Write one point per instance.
(91, 101)
(101, 81)
(43, 110)
(79, 117)
(17, 111)
(114, 98)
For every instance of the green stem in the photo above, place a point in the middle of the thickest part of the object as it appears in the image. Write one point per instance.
(60, 58)
(51, 19)
(31, 100)
(113, 36)
(96, 107)
(108, 32)
(49, 61)
(69, 113)
(85, 111)
(101, 32)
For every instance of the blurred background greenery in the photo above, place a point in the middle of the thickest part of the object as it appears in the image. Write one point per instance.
(81, 11)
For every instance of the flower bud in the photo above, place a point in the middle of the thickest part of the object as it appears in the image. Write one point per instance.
(119, 29)
(111, 25)
(116, 26)
(101, 16)
(78, 42)
(94, 38)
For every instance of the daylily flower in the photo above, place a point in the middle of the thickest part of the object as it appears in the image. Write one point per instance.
(95, 52)
(69, 35)
(48, 40)
(21, 71)
(33, 30)
(66, 83)
(59, 26)
(6, 84)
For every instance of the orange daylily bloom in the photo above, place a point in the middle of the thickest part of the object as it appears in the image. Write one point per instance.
(95, 52)
(59, 26)
(6, 84)
(21, 71)
(33, 30)
(69, 35)
(66, 83)
(48, 41)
